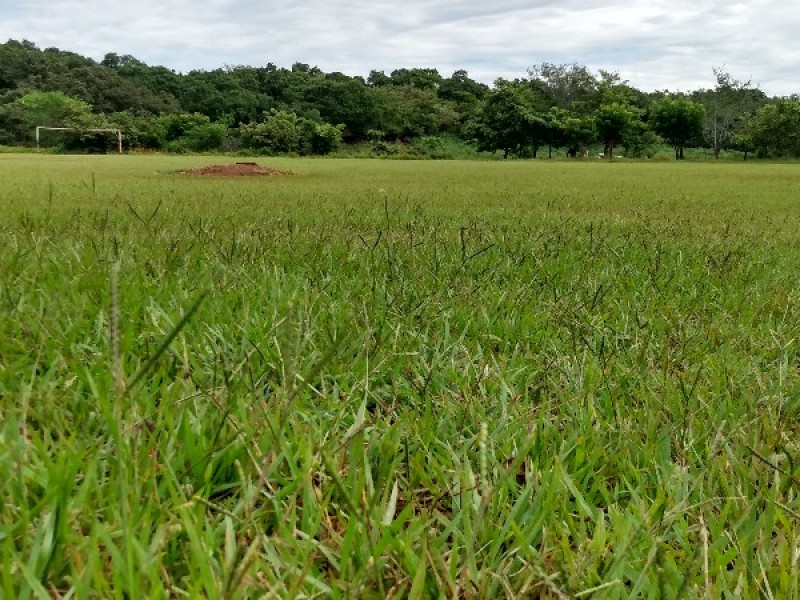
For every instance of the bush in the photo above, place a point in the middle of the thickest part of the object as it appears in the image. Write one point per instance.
(322, 138)
(640, 141)
(285, 132)
(382, 148)
(429, 145)
(205, 137)
(140, 132)
(278, 132)
(190, 132)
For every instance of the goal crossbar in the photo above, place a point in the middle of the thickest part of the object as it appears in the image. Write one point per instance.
(118, 132)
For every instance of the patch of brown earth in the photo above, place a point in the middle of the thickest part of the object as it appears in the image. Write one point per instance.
(237, 169)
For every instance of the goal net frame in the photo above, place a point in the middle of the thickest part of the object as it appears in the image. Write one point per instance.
(118, 132)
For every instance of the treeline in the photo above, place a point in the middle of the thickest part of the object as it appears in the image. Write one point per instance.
(565, 109)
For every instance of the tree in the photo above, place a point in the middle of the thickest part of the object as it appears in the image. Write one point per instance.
(19, 61)
(378, 79)
(191, 131)
(726, 106)
(568, 86)
(775, 128)
(511, 119)
(54, 109)
(678, 120)
(464, 94)
(422, 79)
(161, 81)
(612, 122)
(321, 138)
(282, 131)
(139, 131)
(278, 132)
(573, 131)
(223, 94)
(344, 100)
(24, 66)
(612, 88)
(639, 140)
(743, 140)
(539, 131)
(204, 138)
(408, 112)
(460, 88)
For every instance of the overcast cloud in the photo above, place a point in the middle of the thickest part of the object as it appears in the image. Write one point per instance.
(656, 44)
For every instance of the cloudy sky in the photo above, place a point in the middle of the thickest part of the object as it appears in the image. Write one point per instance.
(656, 44)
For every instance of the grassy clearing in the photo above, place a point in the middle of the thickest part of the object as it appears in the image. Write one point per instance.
(389, 379)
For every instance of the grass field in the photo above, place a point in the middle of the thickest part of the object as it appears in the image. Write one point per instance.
(379, 379)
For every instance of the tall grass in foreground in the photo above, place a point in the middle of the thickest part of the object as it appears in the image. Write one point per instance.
(427, 384)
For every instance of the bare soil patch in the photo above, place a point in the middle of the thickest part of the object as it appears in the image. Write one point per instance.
(239, 169)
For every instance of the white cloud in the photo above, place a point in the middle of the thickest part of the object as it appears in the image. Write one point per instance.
(656, 44)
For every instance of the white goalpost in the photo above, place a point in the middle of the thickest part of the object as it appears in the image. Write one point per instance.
(118, 133)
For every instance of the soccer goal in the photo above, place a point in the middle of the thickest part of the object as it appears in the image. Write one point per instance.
(117, 132)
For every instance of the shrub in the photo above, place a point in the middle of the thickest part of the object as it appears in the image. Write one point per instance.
(285, 132)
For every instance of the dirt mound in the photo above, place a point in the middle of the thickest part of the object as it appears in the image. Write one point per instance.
(236, 169)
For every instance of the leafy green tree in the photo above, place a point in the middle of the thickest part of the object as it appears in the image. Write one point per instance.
(161, 81)
(139, 131)
(105, 90)
(285, 89)
(55, 109)
(279, 132)
(567, 86)
(539, 131)
(727, 105)
(421, 79)
(512, 119)
(224, 95)
(639, 140)
(378, 79)
(177, 125)
(612, 122)
(460, 88)
(344, 100)
(678, 120)
(775, 128)
(320, 138)
(464, 95)
(24, 66)
(204, 138)
(12, 126)
(575, 132)
(191, 131)
(500, 124)
(743, 139)
(284, 132)
(612, 88)
(408, 112)
(19, 61)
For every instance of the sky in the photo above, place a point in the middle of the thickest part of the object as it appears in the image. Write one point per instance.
(654, 44)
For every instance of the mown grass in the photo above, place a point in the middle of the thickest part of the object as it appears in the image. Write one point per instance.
(384, 379)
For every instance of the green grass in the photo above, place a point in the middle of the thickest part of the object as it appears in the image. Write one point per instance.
(399, 379)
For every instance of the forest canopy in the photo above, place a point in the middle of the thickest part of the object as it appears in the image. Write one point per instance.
(564, 109)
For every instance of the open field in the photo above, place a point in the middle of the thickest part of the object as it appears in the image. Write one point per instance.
(399, 379)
